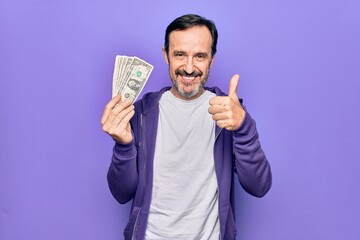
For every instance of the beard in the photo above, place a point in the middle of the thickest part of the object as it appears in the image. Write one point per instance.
(196, 90)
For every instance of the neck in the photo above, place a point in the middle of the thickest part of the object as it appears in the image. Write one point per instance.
(180, 96)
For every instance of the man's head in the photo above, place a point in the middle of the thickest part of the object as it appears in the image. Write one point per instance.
(190, 47)
(190, 20)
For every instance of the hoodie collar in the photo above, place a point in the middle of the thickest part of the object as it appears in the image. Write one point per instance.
(150, 101)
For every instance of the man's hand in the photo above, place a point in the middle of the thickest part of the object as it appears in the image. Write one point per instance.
(116, 119)
(227, 110)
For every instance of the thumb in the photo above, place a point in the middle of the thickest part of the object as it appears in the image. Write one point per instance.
(233, 86)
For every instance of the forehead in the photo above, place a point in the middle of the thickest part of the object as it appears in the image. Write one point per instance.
(197, 38)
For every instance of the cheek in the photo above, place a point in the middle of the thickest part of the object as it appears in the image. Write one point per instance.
(174, 67)
(205, 69)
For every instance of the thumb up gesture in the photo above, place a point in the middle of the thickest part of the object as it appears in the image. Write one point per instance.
(227, 110)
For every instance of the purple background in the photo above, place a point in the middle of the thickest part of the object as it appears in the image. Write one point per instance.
(299, 65)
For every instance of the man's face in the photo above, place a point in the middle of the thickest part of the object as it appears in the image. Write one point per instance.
(189, 61)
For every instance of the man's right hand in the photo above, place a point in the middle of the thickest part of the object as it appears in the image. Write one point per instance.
(116, 119)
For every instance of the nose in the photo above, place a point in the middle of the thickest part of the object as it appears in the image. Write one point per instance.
(189, 66)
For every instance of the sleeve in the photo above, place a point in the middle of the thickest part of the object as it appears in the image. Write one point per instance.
(252, 167)
(122, 175)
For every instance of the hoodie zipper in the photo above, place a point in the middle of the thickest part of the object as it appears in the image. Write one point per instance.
(217, 135)
(135, 226)
(143, 146)
(217, 178)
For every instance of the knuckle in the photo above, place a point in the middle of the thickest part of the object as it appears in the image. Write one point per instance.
(113, 113)
(228, 115)
(104, 128)
(112, 132)
(109, 106)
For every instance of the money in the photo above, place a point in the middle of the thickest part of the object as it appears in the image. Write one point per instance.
(130, 76)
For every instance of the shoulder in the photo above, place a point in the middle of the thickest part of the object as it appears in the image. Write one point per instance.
(150, 100)
(219, 92)
(215, 90)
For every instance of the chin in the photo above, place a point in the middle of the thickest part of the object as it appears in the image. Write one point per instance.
(190, 93)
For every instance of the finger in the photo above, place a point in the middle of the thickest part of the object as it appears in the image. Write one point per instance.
(121, 116)
(216, 109)
(219, 100)
(115, 100)
(220, 116)
(227, 124)
(118, 108)
(121, 126)
(233, 86)
(222, 123)
(125, 122)
(116, 116)
(122, 132)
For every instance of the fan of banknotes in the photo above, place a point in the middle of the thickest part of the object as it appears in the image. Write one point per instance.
(130, 76)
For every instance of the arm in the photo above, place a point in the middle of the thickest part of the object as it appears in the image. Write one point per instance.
(252, 168)
(122, 175)
(251, 165)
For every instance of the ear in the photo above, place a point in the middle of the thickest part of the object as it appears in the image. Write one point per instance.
(165, 56)
(212, 61)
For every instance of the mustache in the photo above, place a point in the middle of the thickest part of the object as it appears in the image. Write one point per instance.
(182, 72)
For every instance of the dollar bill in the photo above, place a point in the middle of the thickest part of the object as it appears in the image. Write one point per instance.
(130, 76)
(116, 74)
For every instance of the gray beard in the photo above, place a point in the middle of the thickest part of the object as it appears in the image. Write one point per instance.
(191, 94)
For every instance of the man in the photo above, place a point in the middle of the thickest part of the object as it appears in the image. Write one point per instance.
(176, 150)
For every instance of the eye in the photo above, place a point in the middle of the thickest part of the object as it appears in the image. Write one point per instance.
(179, 55)
(201, 56)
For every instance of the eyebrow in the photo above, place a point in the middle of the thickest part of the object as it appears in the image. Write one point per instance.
(205, 54)
(177, 51)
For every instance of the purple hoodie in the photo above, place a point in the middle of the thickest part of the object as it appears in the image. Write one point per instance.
(131, 170)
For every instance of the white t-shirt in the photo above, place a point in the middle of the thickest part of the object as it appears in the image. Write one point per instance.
(184, 202)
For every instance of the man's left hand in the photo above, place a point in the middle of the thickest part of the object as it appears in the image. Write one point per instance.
(227, 110)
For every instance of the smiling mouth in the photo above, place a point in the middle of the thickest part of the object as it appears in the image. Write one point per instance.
(188, 77)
